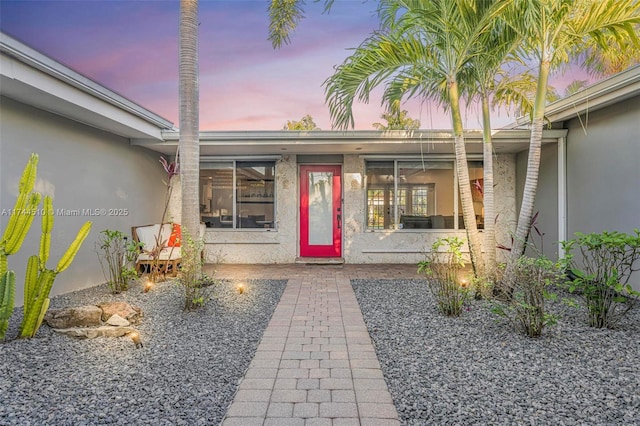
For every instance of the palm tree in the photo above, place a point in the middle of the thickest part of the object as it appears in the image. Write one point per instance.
(621, 54)
(424, 49)
(189, 148)
(552, 30)
(482, 81)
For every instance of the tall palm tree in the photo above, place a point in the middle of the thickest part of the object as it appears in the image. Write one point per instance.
(423, 50)
(189, 147)
(481, 81)
(551, 31)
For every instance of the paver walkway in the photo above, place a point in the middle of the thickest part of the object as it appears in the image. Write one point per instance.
(315, 364)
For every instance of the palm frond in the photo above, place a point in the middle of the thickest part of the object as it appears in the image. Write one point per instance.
(284, 17)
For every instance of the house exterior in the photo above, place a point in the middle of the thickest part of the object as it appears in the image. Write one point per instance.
(81, 132)
(590, 180)
(265, 196)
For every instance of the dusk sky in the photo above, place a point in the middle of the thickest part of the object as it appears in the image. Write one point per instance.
(131, 47)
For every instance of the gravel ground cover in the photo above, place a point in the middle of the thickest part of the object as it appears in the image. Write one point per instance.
(475, 370)
(186, 374)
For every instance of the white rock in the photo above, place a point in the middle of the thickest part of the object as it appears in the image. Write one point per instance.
(118, 321)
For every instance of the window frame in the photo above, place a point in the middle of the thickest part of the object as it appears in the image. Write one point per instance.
(233, 162)
(395, 217)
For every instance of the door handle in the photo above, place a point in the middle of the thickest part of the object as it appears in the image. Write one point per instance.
(339, 218)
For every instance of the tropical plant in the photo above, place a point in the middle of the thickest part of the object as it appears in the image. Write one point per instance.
(482, 79)
(397, 120)
(423, 50)
(525, 309)
(18, 225)
(284, 16)
(443, 271)
(621, 54)
(38, 278)
(601, 272)
(189, 147)
(117, 255)
(172, 169)
(197, 287)
(7, 298)
(551, 31)
(305, 123)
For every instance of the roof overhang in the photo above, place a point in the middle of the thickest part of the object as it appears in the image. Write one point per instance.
(34, 79)
(242, 143)
(614, 89)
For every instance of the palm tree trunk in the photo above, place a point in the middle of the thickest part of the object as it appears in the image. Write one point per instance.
(533, 165)
(464, 184)
(488, 193)
(189, 118)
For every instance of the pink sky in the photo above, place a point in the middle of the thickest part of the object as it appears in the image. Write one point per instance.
(131, 48)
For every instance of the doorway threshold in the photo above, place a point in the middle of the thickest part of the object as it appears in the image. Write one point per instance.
(319, 261)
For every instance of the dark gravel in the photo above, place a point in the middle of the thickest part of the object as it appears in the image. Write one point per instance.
(475, 370)
(186, 374)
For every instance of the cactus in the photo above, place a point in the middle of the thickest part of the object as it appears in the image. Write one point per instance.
(22, 215)
(7, 293)
(39, 279)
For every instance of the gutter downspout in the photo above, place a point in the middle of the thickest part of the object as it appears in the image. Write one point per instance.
(562, 195)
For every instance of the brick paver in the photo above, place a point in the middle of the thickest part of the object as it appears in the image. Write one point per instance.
(316, 364)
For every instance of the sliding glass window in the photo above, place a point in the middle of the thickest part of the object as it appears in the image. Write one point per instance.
(238, 194)
(405, 194)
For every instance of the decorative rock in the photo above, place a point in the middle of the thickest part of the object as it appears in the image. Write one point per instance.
(117, 321)
(82, 316)
(91, 333)
(125, 310)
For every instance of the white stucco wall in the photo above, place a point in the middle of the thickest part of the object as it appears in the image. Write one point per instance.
(359, 244)
(81, 168)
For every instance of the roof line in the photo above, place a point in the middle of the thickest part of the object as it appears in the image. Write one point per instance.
(41, 62)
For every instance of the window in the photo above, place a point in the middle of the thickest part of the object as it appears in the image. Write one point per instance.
(238, 194)
(417, 194)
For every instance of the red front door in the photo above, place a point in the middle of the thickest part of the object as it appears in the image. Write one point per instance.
(320, 211)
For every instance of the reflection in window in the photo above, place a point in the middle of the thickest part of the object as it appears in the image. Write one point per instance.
(237, 194)
(415, 195)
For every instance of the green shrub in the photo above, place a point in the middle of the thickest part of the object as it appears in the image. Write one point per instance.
(443, 270)
(600, 274)
(117, 255)
(197, 286)
(525, 309)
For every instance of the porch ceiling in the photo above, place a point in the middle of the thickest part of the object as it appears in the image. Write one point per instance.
(232, 143)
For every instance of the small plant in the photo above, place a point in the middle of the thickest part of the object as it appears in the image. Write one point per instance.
(443, 271)
(600, 274)
(525, 309)
(197, 286)
(117, 254)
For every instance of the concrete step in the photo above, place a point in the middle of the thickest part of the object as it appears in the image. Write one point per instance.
(320, 261)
